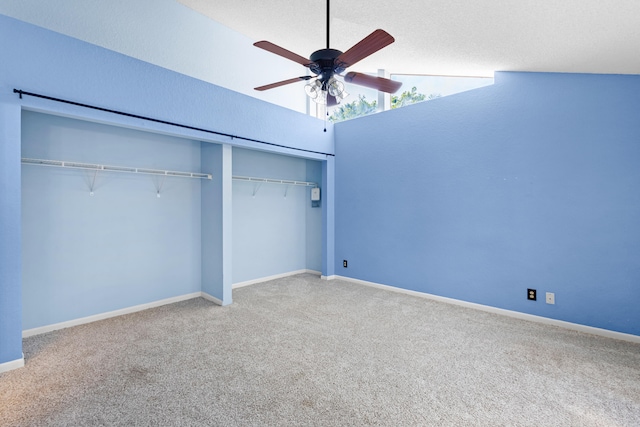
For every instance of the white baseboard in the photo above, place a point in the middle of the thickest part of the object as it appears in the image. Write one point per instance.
(501, 311)
(13, 364)
(211, 298)
(332, 277)
(277, 276)
(81, 321)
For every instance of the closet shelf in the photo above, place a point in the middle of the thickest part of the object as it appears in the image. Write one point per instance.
(107, 168)
(274, 181)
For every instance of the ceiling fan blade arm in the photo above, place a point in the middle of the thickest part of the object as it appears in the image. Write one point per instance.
(282, 83)
(379, 83)
(365, 47)
(273, 48)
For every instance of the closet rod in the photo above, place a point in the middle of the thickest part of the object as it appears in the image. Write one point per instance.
(274, 181)
(107, 168)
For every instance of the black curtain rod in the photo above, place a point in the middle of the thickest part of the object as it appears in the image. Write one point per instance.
(135, 116)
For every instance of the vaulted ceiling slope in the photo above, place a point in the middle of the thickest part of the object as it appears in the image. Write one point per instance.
(451, 37)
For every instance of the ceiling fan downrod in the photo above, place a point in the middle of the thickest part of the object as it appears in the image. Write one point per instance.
(328, 24)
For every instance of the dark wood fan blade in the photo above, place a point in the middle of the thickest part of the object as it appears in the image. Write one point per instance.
(379, 83)
(365, 47)
(268, 46)
(331, 101)
(282, 83)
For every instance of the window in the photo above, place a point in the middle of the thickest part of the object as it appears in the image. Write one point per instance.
(439, 86)
(415, 88)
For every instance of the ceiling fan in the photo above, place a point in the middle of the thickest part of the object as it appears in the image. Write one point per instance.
(328, 63)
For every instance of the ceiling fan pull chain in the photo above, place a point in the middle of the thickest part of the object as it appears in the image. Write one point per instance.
(326, 115)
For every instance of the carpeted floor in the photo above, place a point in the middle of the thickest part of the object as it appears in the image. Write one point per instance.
(305, 352)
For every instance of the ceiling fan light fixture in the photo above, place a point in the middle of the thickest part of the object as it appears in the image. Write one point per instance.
(335, 87)
(344, 94)
(313, 89)
(320, 91)
(321, 97)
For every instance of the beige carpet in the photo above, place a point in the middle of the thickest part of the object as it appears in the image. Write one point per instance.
(305, 352)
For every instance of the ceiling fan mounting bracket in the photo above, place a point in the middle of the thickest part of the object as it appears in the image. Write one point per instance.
(323, 63)
(325, 54)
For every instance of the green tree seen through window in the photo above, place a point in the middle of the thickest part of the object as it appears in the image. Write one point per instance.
(362, 107)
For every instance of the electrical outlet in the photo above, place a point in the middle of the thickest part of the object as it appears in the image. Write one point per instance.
(531, 294)
(344, 263)
(551, 298)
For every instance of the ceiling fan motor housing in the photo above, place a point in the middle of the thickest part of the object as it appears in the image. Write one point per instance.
(323, 63)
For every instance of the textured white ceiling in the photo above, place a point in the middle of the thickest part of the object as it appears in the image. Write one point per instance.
(451, 37)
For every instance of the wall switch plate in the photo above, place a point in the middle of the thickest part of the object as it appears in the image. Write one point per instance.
(551, 298)
(531, 294)
(344, 263)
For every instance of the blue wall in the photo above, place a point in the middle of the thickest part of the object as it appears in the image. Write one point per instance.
(30, 59)
(216, 222)
(123, 246)
(274, 234)
(530, 183)
(313, 218)
(10, 241)
(171, 35)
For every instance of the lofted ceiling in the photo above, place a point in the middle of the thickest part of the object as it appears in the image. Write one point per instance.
(450, 37)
